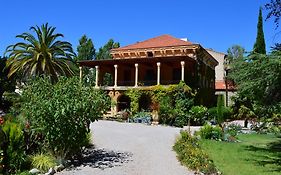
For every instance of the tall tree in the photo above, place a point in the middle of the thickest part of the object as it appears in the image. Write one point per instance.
(259, 80)
(259, 46)
(104, 52)
(42, 54)
(234, 52)
(85, 49)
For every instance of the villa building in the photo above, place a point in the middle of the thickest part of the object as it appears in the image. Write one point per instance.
(222, 85)
(163, 60)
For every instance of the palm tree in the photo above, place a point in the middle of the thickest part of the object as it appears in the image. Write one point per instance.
(41, 55)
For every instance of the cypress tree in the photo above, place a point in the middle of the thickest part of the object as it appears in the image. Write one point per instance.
(259, 46)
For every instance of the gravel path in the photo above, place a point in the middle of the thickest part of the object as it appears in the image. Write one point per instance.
(130, 149)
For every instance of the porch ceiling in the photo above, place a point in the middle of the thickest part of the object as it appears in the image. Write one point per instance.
(111, 62)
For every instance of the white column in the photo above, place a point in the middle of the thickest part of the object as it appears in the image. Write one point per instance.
(115, 75)
(81, 73)
(136, 74)
(158, 73)
(97, 76)
(182, 70)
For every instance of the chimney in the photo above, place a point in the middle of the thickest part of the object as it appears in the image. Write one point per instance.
(184, 39)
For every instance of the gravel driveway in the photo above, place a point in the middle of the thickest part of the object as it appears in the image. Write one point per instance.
(130, 149)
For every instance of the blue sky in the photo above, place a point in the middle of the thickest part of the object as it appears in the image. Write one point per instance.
(216, 24)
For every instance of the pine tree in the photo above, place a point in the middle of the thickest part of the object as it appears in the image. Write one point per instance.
(86, 49)
(259, 46)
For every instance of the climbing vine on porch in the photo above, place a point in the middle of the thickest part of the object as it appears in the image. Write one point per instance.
(172, 102)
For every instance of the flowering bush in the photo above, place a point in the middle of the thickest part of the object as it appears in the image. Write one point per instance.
(191, 155)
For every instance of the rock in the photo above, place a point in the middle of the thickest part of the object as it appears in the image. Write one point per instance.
(50, 172)
(59, 168)
(34, 171)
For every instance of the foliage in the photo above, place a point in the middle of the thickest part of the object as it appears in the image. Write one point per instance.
(198, 114)
(254, 154)
(259, 46)
(104, 52)
(220, 113)
(12, 102)
(233, 129)
(260, 93)
(233, 53)
(85, 49)
(134, 95)
(210, 132)
(174, 102)
(274, 8)
(245, 113)
(24, 173)
(13, 148)
(6, 84)
(190, 154)
(62, 112)
(43, 162)
(41, 54)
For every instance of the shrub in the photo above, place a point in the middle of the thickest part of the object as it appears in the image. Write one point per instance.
(233, 129)
(43, 162)
(13, 153)
(62, 112)
(191, 154)
(210, 132)
(198, 114)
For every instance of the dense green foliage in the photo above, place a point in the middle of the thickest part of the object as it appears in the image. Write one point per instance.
(85, 49)
(13, 150)
(172, 103)
(235, 52)
(259, 46)
(62, 112)
(104, 52)
(190, 154)
(261, 93)
(6, 84)
(210, 132)
(134, 95)
(198, 114)
(255, 154)
(41, 54)
(43, 162)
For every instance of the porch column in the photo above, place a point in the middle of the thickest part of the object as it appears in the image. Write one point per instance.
(81, 73)
(115, 75)
(136, 74)
(97, 76)
(158, 73)
(182, 70)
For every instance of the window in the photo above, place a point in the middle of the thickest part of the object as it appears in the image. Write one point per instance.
(149, 54)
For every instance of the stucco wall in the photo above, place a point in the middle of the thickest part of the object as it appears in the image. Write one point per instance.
(219, 68)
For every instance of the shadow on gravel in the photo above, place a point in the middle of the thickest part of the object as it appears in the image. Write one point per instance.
(99, 158)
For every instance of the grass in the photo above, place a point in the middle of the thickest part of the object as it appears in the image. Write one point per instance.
(256, 154)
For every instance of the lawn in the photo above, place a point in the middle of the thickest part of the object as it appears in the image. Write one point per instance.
(256, 154)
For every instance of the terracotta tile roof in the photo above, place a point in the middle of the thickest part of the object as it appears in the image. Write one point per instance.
(160, 41)
(220, 85)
